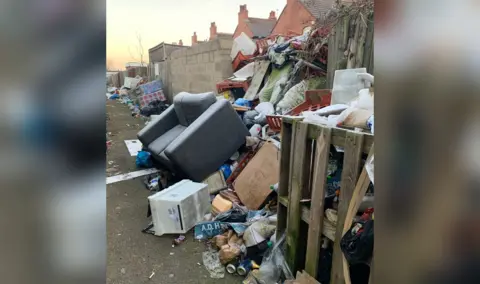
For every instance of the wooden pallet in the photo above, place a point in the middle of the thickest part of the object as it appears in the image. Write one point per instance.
(303, 169)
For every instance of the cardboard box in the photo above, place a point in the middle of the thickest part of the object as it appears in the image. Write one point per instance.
(253, 184)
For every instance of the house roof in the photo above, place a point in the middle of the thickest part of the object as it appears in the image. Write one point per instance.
(318, 8)
(261, 27)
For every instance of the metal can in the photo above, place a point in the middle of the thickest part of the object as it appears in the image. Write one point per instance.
(231, 268)
(244, 267)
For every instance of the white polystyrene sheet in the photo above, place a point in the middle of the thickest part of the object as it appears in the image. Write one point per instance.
(246, 72)
(133, 146)
(157, 69)
(131, 82)
(346, 85)
(244, 44)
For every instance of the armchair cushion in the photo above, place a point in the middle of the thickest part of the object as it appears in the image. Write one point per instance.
(159, 144)
(190, 106)
(156, 128)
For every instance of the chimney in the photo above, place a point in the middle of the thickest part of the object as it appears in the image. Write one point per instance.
(243, 14)
(213, 31)
(272, 16)
(194, 38)
(180, 42)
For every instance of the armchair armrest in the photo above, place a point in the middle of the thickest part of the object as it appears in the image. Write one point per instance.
(208, 142)
(167, 120)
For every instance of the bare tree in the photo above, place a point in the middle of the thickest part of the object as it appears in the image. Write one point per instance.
(139, 50)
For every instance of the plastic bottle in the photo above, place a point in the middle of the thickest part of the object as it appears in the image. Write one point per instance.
(274, 187)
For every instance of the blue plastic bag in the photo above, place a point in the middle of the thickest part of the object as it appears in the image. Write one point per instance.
(226, 171)
(114, 97)
(144, 160)
(243, 102)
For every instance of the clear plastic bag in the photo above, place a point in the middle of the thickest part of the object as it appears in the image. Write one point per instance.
(274, 267)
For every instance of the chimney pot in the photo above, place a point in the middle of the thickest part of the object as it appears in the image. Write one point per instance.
(272, 16)
(213, 31)
(243, 14)
(194, 38)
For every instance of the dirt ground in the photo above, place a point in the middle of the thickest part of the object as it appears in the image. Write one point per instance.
(133, 255)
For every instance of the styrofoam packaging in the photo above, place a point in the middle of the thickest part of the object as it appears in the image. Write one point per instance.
(346, 85)
(177, 209)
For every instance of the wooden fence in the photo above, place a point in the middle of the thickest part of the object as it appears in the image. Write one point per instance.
(350, 45)
(303, 170)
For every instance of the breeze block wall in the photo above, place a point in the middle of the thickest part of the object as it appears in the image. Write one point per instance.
(199, 68)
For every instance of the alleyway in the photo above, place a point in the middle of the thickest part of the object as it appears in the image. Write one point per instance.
(133, 255)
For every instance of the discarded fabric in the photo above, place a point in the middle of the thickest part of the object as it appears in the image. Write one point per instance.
(151, 87)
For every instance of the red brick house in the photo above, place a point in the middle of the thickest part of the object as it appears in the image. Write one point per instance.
(213, 34)
(254, 27)
(299, 14)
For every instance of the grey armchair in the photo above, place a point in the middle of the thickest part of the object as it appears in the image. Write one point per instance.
(195, 135)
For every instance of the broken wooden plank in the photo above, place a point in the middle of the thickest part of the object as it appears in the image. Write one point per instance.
(351, 166)
(261, 68)
(318, 200)
(284, 182)
(339, 135)
(357, 197)
(305, 278)
(305, 211)
(295, 194)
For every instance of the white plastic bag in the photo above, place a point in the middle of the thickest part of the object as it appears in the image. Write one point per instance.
(332, 109)
(364, 101)
(265, 108)
(311, 117)
(293, 97)
(367, 78)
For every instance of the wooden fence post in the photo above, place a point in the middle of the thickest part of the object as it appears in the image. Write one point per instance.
(285, 173)
(295, 194)
(318, 200)
(351, 168)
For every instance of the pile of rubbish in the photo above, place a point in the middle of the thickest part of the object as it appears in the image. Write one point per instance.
(234, 214)
(143, 98)
(286, 76)
(234, 209)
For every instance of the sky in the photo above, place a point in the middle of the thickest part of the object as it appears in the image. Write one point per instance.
(156, 21)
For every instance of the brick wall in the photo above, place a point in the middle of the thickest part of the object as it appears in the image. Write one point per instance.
(294, 18)
(199, 68)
